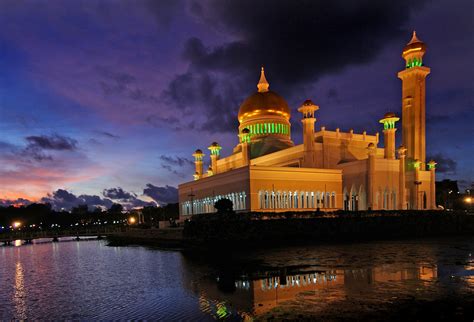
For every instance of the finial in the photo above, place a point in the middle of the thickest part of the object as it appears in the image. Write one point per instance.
(262, 83)
(414, 38)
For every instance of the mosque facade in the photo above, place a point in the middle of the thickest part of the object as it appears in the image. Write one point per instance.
(330, 170)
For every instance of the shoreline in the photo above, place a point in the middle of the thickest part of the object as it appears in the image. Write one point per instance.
(234, 232)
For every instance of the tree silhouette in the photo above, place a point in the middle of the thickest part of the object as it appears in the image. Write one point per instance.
(224, 205)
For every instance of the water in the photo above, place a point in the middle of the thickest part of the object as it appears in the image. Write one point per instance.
(88, 280)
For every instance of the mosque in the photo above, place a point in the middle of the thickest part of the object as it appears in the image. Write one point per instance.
(330, 170)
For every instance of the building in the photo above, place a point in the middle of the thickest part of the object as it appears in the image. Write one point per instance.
(330, 170)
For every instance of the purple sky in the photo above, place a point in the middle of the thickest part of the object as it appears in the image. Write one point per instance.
(105, 101)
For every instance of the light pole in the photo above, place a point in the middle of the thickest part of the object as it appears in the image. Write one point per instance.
(469, 200)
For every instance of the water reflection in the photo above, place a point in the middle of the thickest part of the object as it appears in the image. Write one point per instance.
(87, 280)
(249, 296)
(19, 294)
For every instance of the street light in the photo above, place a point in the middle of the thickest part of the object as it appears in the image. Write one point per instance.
(469, 200)
(132, 220)
(16, 224)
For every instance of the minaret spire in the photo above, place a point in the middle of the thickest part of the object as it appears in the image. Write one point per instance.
(414, 38)
(262, 83)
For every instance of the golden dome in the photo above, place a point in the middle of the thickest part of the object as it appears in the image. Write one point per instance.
(264, 102)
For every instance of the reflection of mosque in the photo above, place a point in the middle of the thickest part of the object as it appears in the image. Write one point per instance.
(246, 297)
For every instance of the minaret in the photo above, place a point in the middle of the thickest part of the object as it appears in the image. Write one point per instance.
(307, 109)
(244, 142)
(215, 149)
(402, 202)
(198, 155)
(432, 168)
(389, 130)
(413, 102)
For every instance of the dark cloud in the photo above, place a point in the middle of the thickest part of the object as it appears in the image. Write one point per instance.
(63, 199)
(53, 142)
(15, 202)
(175, 164)
(215, 97)
(116, 82)
(108, 135)
(162, 195)
(118, 193)
(127, 199)
(445, 164)
(297, 42)
(38, 148)
(176, 160)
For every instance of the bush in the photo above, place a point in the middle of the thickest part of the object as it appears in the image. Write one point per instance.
(224, 205)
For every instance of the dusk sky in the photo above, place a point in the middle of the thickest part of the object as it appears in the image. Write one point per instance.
(105, 101)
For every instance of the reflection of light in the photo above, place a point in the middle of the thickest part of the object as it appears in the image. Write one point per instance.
(19, 295)
(17, 242)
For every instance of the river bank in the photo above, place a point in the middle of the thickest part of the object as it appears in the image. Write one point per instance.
(240, 231)
(168, 238)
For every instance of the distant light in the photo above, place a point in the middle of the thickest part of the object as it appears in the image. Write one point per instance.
(132, 220)
(16, 224)
(468, 199)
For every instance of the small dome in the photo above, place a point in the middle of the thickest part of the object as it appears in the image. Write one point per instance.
(308, 103)
(414, 45)
(214, 144)
(198, 151)
(389, 115)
